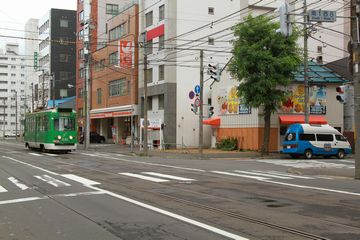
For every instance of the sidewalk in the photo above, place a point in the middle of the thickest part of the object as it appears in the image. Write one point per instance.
(180, 153)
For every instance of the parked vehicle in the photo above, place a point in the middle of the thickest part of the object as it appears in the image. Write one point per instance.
(309, 140)
(94, 138)
(51, 130)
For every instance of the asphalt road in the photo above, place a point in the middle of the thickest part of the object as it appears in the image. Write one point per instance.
(103, 195)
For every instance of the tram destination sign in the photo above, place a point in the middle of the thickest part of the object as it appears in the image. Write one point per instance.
(321, 15)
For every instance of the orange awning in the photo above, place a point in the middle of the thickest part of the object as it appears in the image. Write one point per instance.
(290, 119)
(212, 121)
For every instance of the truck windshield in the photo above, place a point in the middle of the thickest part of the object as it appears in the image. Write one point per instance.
(64, 124)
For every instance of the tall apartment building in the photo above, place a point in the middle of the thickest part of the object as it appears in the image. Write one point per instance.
(174, 32)
(12, 89)
(57, 55)
(111, 105)
(31, 51)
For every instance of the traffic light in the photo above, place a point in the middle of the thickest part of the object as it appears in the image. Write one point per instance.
(214, 71)
(211, 111)
(285, 25)
(194, 108)
(341, 93)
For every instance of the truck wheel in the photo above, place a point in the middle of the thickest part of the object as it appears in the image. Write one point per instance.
(340, 154)
(308, 154)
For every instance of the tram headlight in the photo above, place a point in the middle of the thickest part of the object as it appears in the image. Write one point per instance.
(59, 137)
(71, 137)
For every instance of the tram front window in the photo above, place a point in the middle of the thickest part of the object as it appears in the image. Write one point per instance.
(64, 124)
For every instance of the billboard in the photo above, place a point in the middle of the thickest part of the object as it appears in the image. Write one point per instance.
(126, 54)
(230, 103)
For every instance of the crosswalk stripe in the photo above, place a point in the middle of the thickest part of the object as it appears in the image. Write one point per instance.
(52, 181)
(168, 176)
(144, 177)
(36, 154)
(240, 175)
(262, 174)
(89, 154)
(285, 174)
(18, 183)
(2, 189)
(51, 154)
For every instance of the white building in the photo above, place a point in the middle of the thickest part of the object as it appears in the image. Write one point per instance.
(12, 89)
(31, 49)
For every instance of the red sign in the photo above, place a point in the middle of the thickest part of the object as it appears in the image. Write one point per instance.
(126, 49)
(155, 32)
(110, 114)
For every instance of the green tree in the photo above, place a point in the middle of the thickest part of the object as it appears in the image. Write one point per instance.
(263, 62)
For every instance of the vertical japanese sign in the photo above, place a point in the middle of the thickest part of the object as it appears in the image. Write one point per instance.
(35, 61)
(126, 54)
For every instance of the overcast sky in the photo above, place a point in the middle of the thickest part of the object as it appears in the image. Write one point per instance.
(15, 13)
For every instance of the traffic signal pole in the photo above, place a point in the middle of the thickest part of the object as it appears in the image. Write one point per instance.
(356, 77)
(201, 112)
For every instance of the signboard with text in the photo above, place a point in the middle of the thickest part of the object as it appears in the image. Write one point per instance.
(126, 52)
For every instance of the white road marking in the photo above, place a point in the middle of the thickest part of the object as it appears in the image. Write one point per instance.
(2, 189)
(152, 179)
(52, 181)
(28, 164)
(18, 183)
(81, 180)
(36, 154)
(51, 154)
(347, 161)
(173, 215)
(78, 194)
(314, 188)
(168, 176)
(19, 200)
(146, 163)
(239, 175)
(102, 155)
(263, 174)
(306, 164)
(285, 174)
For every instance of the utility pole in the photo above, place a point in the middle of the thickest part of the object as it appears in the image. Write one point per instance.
(43, 89)
(53, 88)
(87, 44)
(4, 119)
(32, 97)
(306, 79)
(16, 116)
(145, 105)
(201, 129)
(356, 77)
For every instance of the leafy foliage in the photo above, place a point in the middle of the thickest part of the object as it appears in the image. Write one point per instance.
(263, 60)
(227, 144)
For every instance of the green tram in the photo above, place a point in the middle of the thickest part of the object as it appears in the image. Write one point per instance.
(51, 130)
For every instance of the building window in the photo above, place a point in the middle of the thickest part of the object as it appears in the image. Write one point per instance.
(63, 57)
(211, 41)
(149, 47)
(3, 74)
(161, 102)
(99, 95)
(13, 59)
(63, 93)
(64, 75)
(117, 32)
(22, 75)
(161, 12)
(44, 27)
(81, 16)
(100, 65)
(81, 72)
(4, 66)
(112, 9)
(64, 23)
(13, 67)
(319, 49)
(113, 58)
(81, 35)
(81, 53)
(44, 43)
(13, 75)
(148, 19)
(161, 42)
(149, 103)
(117, 88)
(211, 11)
(161, 72)
(149, 75)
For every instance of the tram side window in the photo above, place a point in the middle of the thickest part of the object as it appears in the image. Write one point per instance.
(44, 123)
(64, 124)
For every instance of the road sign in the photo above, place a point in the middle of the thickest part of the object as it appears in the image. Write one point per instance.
(322, 16)
(197, 102)
(191, 94)
(197, 89)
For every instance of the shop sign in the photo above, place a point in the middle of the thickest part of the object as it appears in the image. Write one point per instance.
(230, 103)
(110, 114)
(152, 123)
(295, 103)
(126, 52)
